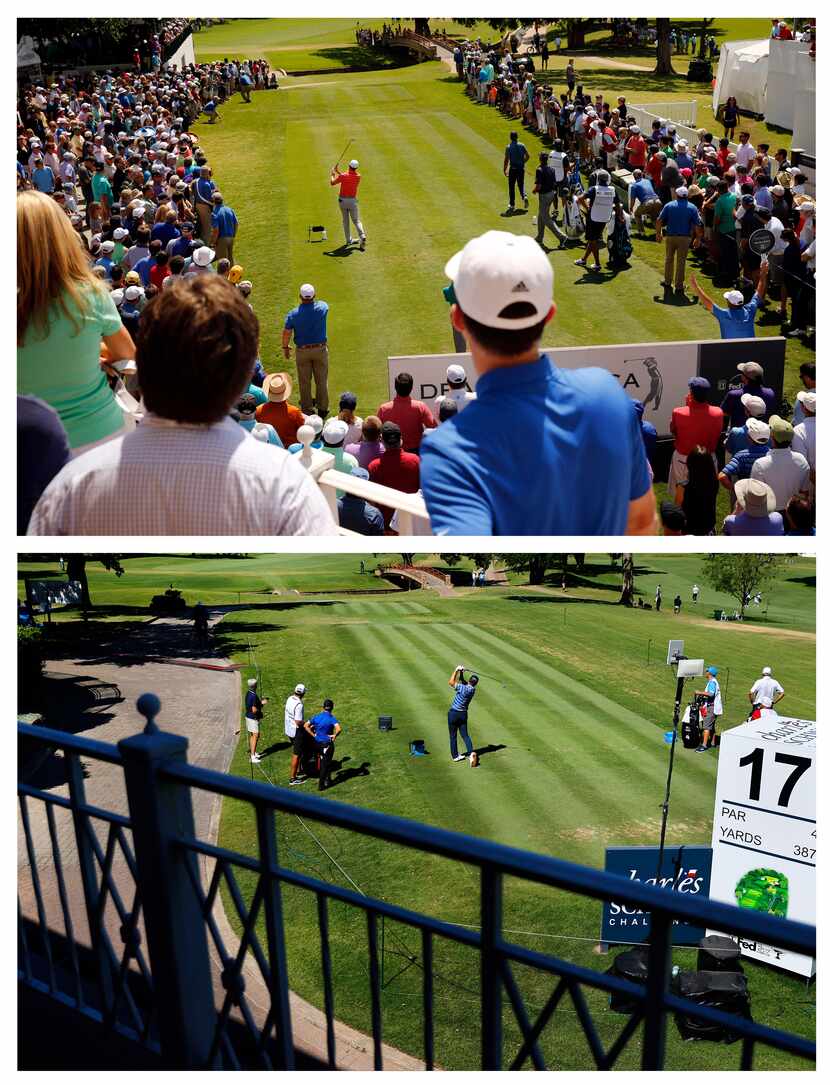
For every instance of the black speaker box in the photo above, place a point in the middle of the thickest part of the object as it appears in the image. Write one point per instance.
(717, 953)
(630, 965)
(724, 991)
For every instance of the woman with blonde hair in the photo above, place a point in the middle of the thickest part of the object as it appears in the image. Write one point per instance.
(68, 327)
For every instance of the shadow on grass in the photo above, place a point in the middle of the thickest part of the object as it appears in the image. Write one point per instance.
(483, 751)
(276, 747)
(344, 775)
(344, 250)
(359, 57)
(807, 581)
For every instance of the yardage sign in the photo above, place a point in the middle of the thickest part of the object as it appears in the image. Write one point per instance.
(764, 832)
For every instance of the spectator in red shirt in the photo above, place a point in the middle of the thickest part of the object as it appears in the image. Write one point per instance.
(396, 468)
(411, 415)
(654, 167)
(160, 269)
(698, 423)
(636, 149)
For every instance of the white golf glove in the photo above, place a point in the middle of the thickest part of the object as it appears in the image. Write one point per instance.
(460, 667)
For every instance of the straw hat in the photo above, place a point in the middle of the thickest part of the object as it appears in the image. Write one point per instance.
(278, 387)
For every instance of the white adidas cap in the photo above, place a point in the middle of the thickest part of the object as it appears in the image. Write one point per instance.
(353, 164)
(496, 270)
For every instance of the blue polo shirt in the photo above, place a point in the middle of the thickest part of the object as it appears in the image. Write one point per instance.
(43, 179)
(679, 218)
(308, 322)
(737, 323)
(515, 154)
(740, 466)
(464, 693)
(324, 724)
(642, 190)
(540, 451)
(225, 221)
(165, 232)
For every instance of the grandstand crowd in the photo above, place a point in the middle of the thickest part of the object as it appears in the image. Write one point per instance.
(145, 408)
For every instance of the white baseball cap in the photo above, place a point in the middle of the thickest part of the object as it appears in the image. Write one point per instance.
(753, 405)
(306, 290)
(120, 233)
(316, 423)
(758, 431)
(734, 297)
(353, 164)
(683, 192)
(808, 399)
(203, 256)
(496, 270)
(766, 670)
(456, 374)
(107, 246)
(133, 293)
(300, 688)
(334, 431)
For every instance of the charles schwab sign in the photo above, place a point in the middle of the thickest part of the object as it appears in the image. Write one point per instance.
(688, 869)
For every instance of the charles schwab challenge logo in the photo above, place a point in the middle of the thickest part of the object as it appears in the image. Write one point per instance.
(689, 881)
(626, 923)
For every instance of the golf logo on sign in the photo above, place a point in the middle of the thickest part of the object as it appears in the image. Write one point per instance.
(763, 890)
(685, 870)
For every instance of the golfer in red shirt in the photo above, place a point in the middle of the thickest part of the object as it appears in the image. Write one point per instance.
(698, 423)
(349, 183)
(411, 415)
(396, 468)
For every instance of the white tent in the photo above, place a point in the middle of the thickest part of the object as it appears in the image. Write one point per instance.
(742, 75)
(791, 81)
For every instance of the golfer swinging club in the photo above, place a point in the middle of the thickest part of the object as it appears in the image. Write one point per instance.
(457, 715)
(349, 183)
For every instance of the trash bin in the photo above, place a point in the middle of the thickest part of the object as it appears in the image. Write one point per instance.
(384, 723)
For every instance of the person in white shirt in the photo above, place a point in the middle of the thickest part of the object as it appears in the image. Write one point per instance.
(766, 692)
(804, 433)
(188, 468)
(457, 391)
(745, 152)
(295, 730)
(786, 472)
(714, 708)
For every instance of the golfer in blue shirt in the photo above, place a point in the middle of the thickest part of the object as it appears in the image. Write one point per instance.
(457, 715)
(738, 320)
(541, 450)
(679, 220)
(515, 156)
(324, 729)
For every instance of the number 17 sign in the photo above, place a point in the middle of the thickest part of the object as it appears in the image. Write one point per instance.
(764, 831)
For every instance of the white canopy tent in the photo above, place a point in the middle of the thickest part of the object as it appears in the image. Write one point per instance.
(742, 74)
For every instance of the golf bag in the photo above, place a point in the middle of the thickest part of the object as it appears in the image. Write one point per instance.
(631, 965)
(572, 222)
(692, 731)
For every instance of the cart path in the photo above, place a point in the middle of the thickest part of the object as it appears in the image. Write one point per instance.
(95, 695)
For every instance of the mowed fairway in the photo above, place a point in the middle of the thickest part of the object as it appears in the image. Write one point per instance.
(572, 760)
(432, 179)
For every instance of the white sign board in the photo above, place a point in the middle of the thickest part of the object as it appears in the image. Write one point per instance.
(655, 373)
(764, 831)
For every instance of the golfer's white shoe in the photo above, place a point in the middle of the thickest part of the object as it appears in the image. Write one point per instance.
(255, 758)
(460, 757)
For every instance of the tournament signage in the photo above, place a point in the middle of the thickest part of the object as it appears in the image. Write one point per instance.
(687, 869)
(761, 241)
(764, 831)
(655, 373)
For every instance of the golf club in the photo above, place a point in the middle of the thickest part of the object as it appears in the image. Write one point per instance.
(481, 674)
(337, 163)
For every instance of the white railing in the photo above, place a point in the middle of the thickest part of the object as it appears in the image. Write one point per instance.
(684, 113)
(411, 512)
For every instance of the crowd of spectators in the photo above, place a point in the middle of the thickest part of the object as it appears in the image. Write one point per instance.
(733, 191)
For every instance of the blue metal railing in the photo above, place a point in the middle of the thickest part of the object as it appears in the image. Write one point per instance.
(185, 1009)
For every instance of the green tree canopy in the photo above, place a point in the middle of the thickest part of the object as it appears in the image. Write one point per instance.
(741, 575)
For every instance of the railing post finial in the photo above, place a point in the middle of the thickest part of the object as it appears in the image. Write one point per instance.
(149, 706)
(305, 435)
